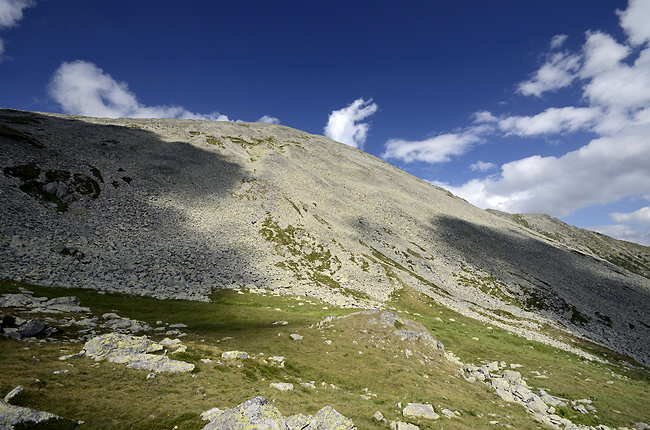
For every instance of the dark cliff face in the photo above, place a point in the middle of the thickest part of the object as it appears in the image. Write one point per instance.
(177, 208)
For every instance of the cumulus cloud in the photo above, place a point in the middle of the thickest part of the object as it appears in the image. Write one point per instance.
(344, 124)
(11, 12)
(634, 21)
(482, 166)
(606, 170)
(614, 77)
(269, 119)
(82, 88)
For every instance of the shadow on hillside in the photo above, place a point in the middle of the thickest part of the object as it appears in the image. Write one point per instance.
(573, 282)
(137, 226)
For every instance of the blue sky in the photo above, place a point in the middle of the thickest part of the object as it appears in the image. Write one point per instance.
(524, 106)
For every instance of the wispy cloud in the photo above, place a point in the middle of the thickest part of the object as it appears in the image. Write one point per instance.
(11, 12)
(558, 71)
(344, 124)
(615, 81)
(436, 149)
(551, 121)
(482, 166)
(82, 88)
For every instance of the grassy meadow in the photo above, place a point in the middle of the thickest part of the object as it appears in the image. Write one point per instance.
(361, 368)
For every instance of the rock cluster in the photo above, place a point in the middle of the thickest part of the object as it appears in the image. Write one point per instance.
(258, 413)
(87, 327)
(135, 352)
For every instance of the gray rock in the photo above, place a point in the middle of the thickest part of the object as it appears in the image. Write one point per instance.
(13, 393)
(505, 395)
(511, 376)
(449, 414)
(114, 344)
(420, 410)
(298, 421)
(256, 413)
(329, 419)
(232, 355)
(65, 304)
(378, 416)
(11, 415)
(32, 328)
(400, 425)
(133, 351)
(282, 386)
(156, 363)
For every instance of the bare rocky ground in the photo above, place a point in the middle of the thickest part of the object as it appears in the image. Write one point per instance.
(174, 209)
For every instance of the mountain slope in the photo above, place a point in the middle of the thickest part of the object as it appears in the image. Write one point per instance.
(177, 208)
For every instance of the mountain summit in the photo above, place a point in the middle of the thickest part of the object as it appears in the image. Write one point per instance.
(173, 208)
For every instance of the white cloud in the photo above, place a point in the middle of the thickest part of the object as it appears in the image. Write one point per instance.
(437, 149)
(482, 166)
(606, 170)
(624, 232)
(615, 105)
(343, 124)
(634, 21)
(269, 119)
(484, 116)
(82, 88)
(641, 216)
(558, 40)
(559, 71)
(552, 120)
(11, 12)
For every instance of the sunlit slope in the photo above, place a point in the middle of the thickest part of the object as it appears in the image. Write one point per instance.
(176, 208)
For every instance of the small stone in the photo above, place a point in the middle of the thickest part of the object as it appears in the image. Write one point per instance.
(282, 386)
(232, 355)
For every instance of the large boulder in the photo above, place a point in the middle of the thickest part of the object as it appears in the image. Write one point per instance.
(135, 352)
(420, 410)
(256, 413)
(328, 419)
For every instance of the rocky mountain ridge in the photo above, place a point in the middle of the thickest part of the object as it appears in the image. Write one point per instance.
(177, 208)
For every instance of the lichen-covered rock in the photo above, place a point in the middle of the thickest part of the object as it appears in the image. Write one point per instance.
(400, 425)
(111, 345)
(329, 419)
(233, 355)
(11, 415)
(256, 413)
(420, 410)
(298, 421)
(158, 363)
(133, 351)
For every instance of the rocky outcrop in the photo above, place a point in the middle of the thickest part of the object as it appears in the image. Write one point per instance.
(10, 415)
(135, 352)
(258, 413)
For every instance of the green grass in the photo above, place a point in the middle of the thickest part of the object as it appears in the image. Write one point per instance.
(107, 395)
